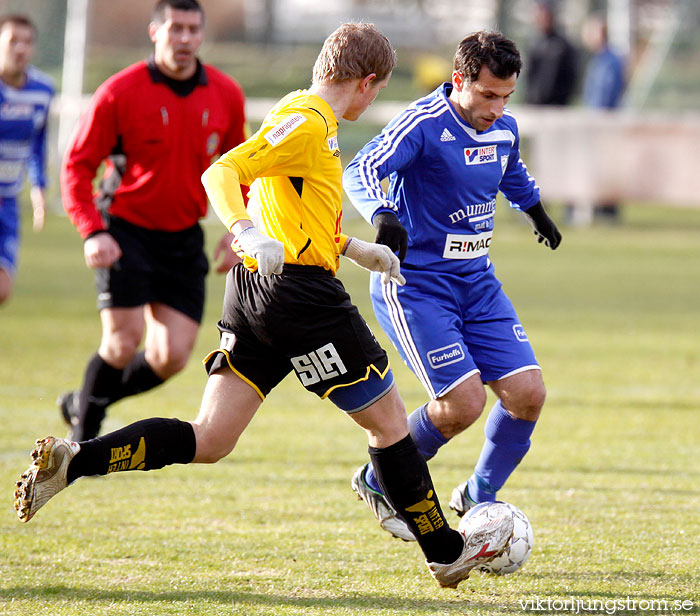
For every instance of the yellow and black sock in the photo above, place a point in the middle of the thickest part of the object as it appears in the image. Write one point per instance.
(145, 445)
(405, 481)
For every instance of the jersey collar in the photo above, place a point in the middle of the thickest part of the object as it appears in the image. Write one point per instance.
(180, 87)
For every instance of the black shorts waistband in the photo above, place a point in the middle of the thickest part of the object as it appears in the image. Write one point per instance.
(305, 270)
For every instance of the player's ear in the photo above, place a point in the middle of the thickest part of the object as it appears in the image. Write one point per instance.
(152, 28)
(367, 81)
(457, 80)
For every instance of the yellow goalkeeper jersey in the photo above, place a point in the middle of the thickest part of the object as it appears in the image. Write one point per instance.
(292, 165)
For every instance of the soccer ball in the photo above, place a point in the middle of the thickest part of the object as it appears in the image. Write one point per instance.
(519, 547)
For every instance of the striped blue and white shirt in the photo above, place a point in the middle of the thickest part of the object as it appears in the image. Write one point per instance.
(23, 119)
(443, 180)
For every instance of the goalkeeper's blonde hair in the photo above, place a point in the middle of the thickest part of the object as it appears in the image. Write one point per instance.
(354, 51)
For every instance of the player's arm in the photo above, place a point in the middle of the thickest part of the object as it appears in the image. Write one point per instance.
(93, 140)
(222, 182)
(388, 152)
(520, 189)
(250, 160)
(38, 199)
(37, 179)
(260, 156)
(36, 172)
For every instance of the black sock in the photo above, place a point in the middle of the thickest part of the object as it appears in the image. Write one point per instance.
(100, 384)
(137, 377)
(405, 481)
(145, 445)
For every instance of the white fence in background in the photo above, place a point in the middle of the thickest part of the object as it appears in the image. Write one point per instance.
(585, 156)
(580, 156)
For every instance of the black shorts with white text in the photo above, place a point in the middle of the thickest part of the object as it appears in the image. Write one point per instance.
(303, 321)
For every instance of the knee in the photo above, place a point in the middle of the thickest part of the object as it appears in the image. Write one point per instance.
(528, 404)
(210, 446)
(118, 349)
(466, 414)
(208, 455)
(167, 362)
(454, 414)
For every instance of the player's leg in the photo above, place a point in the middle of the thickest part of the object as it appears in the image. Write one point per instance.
(170, 269)
(404, 478)
(508, 429)
(228, 405)
(170, 338)
(434, 349)
(9, 243)
(122, 330)
(436, 422)
(501, 348)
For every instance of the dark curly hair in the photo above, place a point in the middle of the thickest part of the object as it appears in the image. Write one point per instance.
(158, 15)
(491, 49)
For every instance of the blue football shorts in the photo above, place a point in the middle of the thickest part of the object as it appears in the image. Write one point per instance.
(449, 327)
(9, 234)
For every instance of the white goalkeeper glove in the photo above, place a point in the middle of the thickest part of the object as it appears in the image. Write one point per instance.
(376, 258)
(268, 252)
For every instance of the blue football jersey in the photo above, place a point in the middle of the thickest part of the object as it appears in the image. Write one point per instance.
(23, 115)
(443, 180)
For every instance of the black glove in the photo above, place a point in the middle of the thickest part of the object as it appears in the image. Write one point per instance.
(391, 233)
(543, 226)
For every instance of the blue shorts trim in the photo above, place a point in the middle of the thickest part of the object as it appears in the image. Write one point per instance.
(357, 396)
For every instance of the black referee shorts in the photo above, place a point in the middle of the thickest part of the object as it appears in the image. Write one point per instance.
(155, 266)
(302, 320)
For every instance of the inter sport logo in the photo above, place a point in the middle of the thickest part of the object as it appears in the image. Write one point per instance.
(480, 156)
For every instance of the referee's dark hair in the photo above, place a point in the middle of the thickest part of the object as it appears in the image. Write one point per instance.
(491, 49)
(178, 5)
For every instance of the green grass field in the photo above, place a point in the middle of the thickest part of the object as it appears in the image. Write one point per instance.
(610, 484)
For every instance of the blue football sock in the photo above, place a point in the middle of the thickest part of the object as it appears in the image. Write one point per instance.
(507, 442)
(425, 435)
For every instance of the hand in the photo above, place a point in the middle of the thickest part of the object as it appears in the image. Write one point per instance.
(268, 252)
(391, 233)
(223, 253)
(543, 226)
(101, 250)
(376, 258)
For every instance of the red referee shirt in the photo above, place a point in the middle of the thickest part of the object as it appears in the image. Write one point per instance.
(169, 131)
